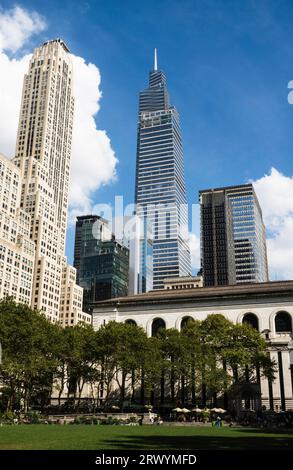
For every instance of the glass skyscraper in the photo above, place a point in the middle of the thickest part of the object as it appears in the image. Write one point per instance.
(160, 194)
(102, 264)
(249, 235)
(233, 241)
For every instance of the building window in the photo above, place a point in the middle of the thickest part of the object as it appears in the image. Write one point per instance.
(283, 322)
(186, 321)
(251, 319)
(157, 325)
(130, 322)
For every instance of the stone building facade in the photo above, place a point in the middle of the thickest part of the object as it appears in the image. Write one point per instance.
(266, 306)
(17, 250)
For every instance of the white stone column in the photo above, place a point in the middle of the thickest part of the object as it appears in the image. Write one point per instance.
(264, 388)
(287, 375)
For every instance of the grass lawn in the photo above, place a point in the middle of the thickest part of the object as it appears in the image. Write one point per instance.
(90, 437)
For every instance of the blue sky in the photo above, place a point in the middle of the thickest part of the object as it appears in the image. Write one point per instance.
(228, 64)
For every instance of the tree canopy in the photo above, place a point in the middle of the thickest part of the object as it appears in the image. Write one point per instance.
(119, 362)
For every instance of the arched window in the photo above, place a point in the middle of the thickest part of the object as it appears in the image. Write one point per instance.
(251, 320)
(283, 322)
(130, 322)
(157, 325)
(185, 321)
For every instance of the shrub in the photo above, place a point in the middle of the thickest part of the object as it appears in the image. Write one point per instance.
(33, 417)
(85, 420)
(110, 420)
(7, 417)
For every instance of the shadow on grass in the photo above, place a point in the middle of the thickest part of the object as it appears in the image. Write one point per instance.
(266, 431)
(265, 441)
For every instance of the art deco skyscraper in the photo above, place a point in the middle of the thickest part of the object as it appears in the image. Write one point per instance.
(43, 152)
(233, 241)
(17, 250)
(160, 194)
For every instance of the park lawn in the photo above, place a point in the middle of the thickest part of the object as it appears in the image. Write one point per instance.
(93, 437)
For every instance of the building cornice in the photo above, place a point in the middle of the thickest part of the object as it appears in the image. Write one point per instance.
(256, 291)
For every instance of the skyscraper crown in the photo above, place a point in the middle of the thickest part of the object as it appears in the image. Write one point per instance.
(60, 41)
(157, 77)
(155, 97)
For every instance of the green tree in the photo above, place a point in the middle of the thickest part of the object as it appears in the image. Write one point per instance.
(123, 348)
(78, 359)
(244, 350)
(28, 359)
(173, 362)
(214, 334)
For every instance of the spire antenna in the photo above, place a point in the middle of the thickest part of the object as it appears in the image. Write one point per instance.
(155, 60)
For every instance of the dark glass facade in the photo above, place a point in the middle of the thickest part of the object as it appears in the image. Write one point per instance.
(102, 264)
(233, 242)
(160, 194)
(216, 238)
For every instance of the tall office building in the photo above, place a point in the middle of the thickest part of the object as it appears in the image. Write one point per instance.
(160, 194)
(233, 241)
(43, 152)
(17, 250)
(102, 263)
(71, 304)
(89, 230)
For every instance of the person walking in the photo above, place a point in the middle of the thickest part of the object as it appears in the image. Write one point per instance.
(219, 423)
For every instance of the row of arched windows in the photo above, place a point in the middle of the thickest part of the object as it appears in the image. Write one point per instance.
(283, 322)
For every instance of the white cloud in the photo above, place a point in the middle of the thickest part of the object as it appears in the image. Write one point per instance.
(16, 27)
(275, 194)
(11, 77)
(93, 160)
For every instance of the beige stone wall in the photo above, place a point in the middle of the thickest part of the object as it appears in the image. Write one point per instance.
(16, 249)
(71, 299)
